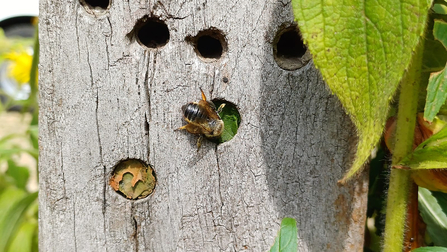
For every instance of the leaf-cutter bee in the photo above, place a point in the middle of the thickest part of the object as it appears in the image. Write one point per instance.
(203, 119)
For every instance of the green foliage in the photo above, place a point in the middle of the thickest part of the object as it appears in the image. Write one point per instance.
(430, 249)
(440, 8)
(14, 204)
(18, 214)
(26, 237)
(437, 86)
(286, 240)
(358, 47)
(428, 155)
(363, 50)
(433, 208)
(435, 54)
(19, 174)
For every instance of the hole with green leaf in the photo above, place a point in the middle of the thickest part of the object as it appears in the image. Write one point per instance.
(231, 118)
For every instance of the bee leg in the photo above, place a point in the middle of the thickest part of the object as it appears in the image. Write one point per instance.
(181, 128)
(199, 142)
(220, 108)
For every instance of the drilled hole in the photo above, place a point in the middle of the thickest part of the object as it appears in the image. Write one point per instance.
(290, 45)
(133, 179)
(231, 118)
(209, 44)
(153, 33)
(95, 5)
(209, 47)
(289, 51)
(202, 119)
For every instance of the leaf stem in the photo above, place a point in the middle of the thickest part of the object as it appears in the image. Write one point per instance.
(400, 180)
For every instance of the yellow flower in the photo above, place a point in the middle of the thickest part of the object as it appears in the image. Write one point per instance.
(20, 66)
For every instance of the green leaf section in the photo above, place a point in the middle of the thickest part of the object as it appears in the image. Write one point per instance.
(430, 249)
(20, 174)
(436, 90)
(25, 238)
(440, 7)
(433, 209)
(439, 32)
(287, 240)
(14, 203)
(231, 118)
(362, 49)
(431, 154)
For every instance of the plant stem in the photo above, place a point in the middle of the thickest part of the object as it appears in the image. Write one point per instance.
(400, 180)
(32, 100)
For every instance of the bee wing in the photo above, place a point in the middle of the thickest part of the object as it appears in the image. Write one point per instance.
(209, 110)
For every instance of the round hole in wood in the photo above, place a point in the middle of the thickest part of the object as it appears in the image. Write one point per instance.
(133, 179)
(289, 50)
(152, 33)
(95, 6)
(210, 44)
(231, 118)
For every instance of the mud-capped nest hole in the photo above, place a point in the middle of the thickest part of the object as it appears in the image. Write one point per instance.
(133, 179)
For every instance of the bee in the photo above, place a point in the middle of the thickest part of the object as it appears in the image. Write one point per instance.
(203, 119)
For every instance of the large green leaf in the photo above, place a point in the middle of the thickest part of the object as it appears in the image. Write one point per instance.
(431, 154)
(362, 49)
(433, 208)
(437, 85)
(286, 241)
(23, 241)
(13, 204)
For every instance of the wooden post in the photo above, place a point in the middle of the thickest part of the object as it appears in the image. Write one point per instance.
(105, 97)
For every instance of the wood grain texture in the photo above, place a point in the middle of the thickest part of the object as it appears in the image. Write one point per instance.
(104, 98)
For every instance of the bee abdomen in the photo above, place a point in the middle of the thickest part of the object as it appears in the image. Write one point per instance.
(192, 111)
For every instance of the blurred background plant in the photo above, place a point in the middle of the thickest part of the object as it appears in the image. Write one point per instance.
(18, 140)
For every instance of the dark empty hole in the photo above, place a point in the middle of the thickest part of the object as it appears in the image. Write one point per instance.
(103, 4)
(290, 45)
(209, 47)
(289, 51)
(154, 33)
(209, 44)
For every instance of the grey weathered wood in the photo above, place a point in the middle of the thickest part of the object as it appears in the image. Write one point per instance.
(104, 98)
